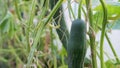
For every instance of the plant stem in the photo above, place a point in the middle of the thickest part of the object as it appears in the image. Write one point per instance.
(111, 46)
(85, 14)
(103, 32)
(79, 9)
(91, 34)
(30, 24)
(55, 61)
(89, 12)
(59, 19)
(70, 8)
(53, 11)
(17, 9)
(14, 52)
(37, 38)
(93, 48)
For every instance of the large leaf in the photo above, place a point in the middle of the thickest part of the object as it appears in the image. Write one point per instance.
(111, 63)
(8, 15)
(7, 24)
(98, 19)
(113, 9)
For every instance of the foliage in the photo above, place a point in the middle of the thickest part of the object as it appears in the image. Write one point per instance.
(28, 35)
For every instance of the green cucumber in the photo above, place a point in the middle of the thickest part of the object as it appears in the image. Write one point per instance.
(62, 31)
(77, 44)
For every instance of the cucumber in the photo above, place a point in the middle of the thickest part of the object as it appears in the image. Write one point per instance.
(62, 32)
(77, 44)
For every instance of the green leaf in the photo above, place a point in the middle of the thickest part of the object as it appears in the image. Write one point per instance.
(110, 64)
(98, 18)
(7, 24)
(112, 8)
(63, 51)
(8, 15)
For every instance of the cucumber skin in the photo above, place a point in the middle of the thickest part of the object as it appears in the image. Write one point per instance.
(77, 44)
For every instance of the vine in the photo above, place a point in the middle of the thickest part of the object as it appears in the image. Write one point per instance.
(103, 32)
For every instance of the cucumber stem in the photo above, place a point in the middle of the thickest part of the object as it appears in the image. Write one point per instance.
(103, 33)
(93, 48)
(91, 34)
(79, 9)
